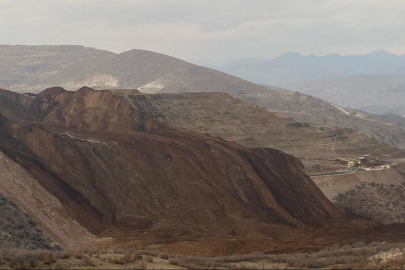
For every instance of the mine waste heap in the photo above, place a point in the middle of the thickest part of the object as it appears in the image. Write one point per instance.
(112, 174)
(352, 169)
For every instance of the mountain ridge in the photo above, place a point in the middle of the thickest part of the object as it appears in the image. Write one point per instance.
(376, 94)
(150, 73)
(291, 67)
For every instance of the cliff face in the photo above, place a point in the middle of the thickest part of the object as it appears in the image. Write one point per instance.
(120, 174)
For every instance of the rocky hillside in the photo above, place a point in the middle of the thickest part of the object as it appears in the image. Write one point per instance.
(379, 194)
(17, 230)
(387, 128)
(391, 118)
(87, 166)
(27, 67)
(34, 68)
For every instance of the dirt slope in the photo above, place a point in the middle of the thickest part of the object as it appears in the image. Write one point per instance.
(120, 174)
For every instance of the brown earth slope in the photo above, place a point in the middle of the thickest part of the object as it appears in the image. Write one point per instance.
(110, 171)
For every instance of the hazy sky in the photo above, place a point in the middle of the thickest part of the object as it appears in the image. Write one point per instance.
(209, 31)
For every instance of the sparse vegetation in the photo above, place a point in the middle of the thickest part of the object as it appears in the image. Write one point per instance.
(25, 259)
(87, 262)
(360, 201)
(357, 255)
(17, 229)
(64, 255)
(164, 256)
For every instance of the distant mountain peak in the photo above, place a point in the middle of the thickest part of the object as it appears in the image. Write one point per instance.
(381, 52)
(290, 54)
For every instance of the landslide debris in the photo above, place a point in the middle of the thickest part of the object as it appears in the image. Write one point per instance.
(322, 148)
(121, 174)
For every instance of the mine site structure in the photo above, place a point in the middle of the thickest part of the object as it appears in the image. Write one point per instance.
(361, 162)
(367, 163)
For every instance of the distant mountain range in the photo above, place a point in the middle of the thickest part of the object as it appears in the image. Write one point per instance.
(296, 68)
(33, 68)
(376, 94)
(373, 82)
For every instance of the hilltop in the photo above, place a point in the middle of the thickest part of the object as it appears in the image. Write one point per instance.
(33, 68)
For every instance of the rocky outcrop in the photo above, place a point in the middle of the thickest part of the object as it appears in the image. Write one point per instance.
(87, 109)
